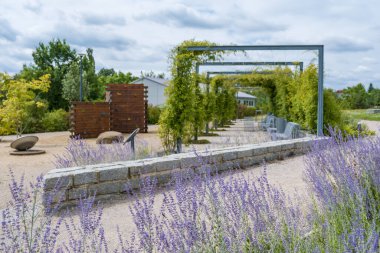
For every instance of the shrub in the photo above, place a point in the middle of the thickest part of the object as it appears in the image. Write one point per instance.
(154, 113)
(28, 226)
(344, 174)
(78, 152)
(57, 120)
(245, 111)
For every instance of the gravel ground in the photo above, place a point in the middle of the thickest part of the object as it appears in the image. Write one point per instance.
(288, 174)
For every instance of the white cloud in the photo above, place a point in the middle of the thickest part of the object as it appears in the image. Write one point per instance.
(361, 69)
(138, 35)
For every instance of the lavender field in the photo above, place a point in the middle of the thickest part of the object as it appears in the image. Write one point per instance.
(224, 213)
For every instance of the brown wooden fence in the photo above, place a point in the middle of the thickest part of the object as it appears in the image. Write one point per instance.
(128, 107)
(126, 111)
(89, 119)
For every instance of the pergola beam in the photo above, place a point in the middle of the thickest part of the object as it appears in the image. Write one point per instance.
(237, 72)
(256, 63)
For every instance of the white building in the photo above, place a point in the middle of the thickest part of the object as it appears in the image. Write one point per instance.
(246, 99)
(156, 88)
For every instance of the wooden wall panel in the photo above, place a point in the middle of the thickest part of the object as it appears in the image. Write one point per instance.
(125, 111)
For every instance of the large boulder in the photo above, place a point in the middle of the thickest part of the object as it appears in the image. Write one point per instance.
(24, 143)
(109, 137)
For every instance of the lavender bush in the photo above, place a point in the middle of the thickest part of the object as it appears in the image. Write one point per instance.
(216, 214)
(25, 225)
(344, 173)
(86, 235)
(229, 212)
(78, 152)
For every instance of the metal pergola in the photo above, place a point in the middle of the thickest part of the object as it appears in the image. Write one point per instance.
(319, 48)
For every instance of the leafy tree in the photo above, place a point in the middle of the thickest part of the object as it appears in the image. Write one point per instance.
(370, 88)
(374, 97)
(209, 103)
(105, 77)
(95, 88)
(4, 79)
(28, 72)
(356, 97)
(152, 74)
(106, 72)
(199, 111)
(178, 119)
(54, 59)
(21, 103)
(225, 100)
(71, 84)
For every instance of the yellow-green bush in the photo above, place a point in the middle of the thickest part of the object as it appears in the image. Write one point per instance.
(153, 114)
(57, 120)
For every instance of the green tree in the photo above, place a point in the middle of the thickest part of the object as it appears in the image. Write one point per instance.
(374, 97)
(28, 72)
(106, 72)
(21, 102)
(109, 76)
(95, 88)
(71, 84)
(54, 59)
(178, 119)
(356, 97)
(370, 88)
(209, 103)
(152, 74)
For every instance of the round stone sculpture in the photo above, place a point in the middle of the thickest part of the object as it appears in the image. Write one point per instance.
(109, 137)
(24, 143)
(28, 152)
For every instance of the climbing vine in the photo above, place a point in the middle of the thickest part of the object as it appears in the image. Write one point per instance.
(293, 95)
(183, 114)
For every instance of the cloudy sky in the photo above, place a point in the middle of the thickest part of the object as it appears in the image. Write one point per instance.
(138, 35)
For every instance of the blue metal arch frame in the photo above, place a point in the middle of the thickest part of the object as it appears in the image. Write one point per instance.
(319, 48)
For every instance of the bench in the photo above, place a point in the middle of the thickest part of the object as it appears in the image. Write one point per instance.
(292, 131)
(269, 122)
(280, 126)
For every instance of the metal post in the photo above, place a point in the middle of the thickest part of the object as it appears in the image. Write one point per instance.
(320, 92)
(207, 92)
(81, 79)
(237, 102)
(133, 145)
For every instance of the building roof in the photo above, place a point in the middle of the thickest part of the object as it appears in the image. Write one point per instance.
(164, 82)
(244, 95)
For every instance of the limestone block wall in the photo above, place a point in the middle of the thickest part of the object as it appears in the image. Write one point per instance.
(107, 180)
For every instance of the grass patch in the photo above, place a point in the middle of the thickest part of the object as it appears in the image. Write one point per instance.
(361, 114)
(199, 142)
(209, 134)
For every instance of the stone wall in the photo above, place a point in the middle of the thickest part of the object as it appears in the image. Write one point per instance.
(107, 180)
